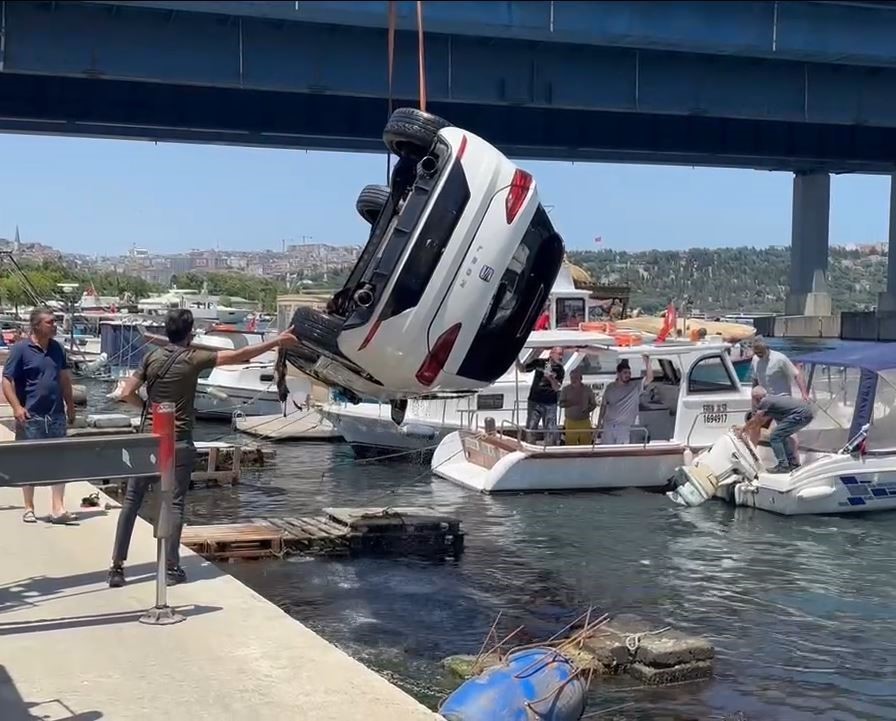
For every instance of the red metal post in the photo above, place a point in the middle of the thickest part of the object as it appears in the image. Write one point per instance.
(163, 426)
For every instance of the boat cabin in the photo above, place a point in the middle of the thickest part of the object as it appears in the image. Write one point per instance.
(695, 391)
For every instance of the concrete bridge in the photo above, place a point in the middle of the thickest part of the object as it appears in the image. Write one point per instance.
(806, 87)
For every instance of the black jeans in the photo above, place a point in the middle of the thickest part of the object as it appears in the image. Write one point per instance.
(184, 456)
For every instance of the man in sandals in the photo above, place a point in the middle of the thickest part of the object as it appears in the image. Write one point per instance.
(37, 383)
(170, 374)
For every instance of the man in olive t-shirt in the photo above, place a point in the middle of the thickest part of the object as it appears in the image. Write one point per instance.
(170, 374)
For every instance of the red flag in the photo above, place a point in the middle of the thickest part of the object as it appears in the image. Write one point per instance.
(669, 323)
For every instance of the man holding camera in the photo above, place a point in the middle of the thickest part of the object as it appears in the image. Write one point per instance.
(544, 394)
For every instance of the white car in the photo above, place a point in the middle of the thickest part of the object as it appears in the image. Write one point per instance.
(460, 260)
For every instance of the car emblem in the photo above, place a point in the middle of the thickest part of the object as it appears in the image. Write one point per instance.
(486, 272)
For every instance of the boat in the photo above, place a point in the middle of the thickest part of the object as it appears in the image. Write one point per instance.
(301, 424)
(848, 452)
(730, 332)
(204, 307)
(249, 388)
(694, 398)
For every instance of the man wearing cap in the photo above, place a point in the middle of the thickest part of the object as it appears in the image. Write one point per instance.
(619, 404)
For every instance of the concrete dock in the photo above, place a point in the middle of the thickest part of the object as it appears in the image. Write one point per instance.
(72, 648)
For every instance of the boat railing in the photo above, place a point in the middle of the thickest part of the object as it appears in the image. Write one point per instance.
(521, 434)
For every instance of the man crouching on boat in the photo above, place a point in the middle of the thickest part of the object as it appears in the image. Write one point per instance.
(790, 415)
(619, 404)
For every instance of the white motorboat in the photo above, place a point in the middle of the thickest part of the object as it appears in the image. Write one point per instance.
(250, 388)
(368, 426)
(693, 399)
(302, 424)
(848, 452)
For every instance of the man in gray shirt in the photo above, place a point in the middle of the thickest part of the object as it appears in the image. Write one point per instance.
(773, 371)
(619, 404)
(790, 415)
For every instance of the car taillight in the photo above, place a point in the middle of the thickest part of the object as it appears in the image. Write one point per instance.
(516, 196)
(437, 357)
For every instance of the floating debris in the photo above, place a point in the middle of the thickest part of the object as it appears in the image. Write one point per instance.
(494, 685)
(342, 531)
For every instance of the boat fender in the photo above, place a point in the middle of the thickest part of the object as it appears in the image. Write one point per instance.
(417, 430)
(813, 493)
(533, 683)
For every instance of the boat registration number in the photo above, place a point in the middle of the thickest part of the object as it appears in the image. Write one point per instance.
(715, 414)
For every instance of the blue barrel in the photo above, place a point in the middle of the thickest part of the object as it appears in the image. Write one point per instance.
(540, 679)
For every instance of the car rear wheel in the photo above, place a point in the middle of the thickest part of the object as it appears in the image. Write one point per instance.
(410, 133)
(371, 202)
(317, 329)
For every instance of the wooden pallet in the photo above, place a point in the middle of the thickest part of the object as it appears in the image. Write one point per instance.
(341, 532)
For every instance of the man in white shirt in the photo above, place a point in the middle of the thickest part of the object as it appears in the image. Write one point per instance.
(619, 404)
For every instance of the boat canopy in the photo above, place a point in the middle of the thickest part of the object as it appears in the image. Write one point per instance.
(851, 386)
(874, 357)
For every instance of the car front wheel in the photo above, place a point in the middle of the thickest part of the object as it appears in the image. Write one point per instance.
(371, 201)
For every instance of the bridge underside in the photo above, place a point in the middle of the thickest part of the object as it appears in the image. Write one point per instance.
(162, 71)
(163, 111)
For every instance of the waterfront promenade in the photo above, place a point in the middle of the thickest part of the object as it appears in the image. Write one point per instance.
(71, 649)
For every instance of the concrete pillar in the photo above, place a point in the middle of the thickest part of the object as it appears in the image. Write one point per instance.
(886, 301)
(809, 245)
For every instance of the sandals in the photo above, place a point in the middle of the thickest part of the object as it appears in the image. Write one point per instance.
(29, 517)
(63, 519)
(90, 501)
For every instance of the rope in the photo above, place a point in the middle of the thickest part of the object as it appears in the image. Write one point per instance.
(391, 54)
(421, 55)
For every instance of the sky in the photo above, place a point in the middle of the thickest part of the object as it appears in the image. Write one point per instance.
(102, 196)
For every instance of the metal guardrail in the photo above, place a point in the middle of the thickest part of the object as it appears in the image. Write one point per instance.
(520, 433)
(49, 462)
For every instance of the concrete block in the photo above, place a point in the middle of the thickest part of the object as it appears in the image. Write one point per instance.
(673, 648)
(608, 650)
(659, 676)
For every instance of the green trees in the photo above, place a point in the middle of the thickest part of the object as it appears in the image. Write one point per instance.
(730, 279)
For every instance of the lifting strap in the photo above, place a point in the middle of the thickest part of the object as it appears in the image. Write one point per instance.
(421, 55)
(391, 61)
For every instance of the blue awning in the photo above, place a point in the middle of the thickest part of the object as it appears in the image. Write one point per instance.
(873, 357)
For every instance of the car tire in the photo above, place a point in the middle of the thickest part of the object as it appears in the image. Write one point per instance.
(399, 408)
(317, 329)
(371, 201)
(410, 133)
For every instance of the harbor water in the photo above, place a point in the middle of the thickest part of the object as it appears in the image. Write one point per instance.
(799, 609)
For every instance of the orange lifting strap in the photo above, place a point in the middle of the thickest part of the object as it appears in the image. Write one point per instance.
(421, 53)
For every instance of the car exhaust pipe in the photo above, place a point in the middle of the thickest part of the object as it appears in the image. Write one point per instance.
(429, 165)
(364, 297)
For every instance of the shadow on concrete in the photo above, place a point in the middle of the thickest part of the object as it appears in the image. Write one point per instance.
(15, 708)
(30, 592)
(39, 625)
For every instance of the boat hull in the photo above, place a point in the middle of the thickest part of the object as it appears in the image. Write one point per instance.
(496, 464)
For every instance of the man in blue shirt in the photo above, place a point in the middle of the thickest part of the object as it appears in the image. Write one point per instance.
(37, 383)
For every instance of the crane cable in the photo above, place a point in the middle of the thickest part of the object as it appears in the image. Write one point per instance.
(421, 56)
(421, 66)
(391, 54)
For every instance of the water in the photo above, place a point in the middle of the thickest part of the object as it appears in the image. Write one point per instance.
(799, 609)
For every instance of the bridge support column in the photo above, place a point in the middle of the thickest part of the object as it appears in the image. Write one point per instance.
(809, 245)
(886, 301)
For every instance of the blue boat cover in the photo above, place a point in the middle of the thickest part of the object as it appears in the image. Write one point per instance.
(868, 356)
(539, 680)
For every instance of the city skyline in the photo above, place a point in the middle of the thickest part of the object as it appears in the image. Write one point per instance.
(103, 196)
